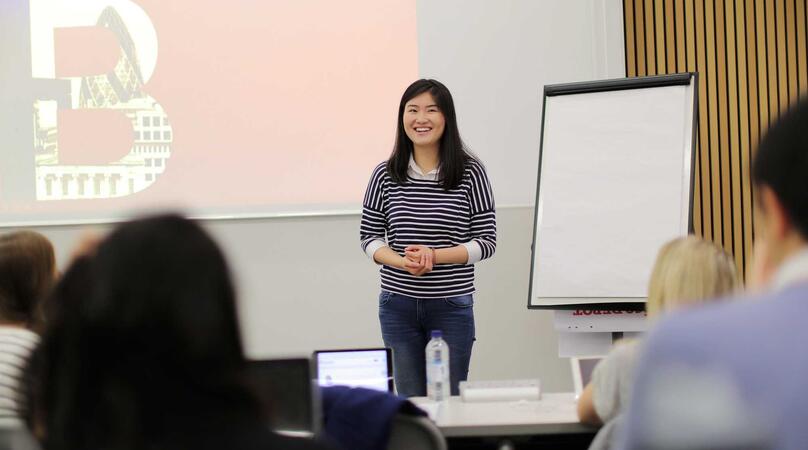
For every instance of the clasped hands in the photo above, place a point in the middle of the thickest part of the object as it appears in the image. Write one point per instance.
(418, 259)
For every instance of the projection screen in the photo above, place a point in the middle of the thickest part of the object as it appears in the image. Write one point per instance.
(222, 109)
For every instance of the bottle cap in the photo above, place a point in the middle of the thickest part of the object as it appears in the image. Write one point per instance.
(436, 334)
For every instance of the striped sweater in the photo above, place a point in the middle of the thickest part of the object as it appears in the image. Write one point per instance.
(422, 212)
(16, 345)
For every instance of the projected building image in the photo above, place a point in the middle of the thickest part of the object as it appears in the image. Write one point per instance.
(119, 90)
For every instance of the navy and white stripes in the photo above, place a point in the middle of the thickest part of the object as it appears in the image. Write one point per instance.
(422, 212)
(16, 345)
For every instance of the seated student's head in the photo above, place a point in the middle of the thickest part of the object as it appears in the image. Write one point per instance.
(145, 346)
(780, 178)
(690, 271)
(27, 271)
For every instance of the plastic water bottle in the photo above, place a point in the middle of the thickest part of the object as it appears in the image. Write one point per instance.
(437, 368)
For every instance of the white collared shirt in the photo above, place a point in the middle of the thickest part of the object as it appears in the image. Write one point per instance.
(794, 269)
(414, 171)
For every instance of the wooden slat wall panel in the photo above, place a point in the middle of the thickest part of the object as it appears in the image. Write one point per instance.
(771, 50)
(704, 118)
(670, 36)
(630, 31)
(722, 143)
(791, 47)
(733, 109)
(782, 59)
(650, 38)
(659, 23)
(639, 36)
(763, 69)
(702, 207)
(745, 127)
(686, 62)
(713, 129)
(752, 60)
(802, 57)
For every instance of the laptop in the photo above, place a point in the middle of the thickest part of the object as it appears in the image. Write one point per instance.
(582, 368)
(285, 387)
(365, 367)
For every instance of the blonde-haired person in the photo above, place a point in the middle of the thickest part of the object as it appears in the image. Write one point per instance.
(688, 271)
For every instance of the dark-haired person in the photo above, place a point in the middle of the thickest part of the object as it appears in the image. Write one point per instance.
(733, 375)
(145, 350)
(428, 216)
(27, 271)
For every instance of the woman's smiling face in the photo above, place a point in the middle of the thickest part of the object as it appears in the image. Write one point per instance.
(423, 120)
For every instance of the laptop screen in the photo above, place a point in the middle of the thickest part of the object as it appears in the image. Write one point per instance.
(582, 369)
(369, 368)
(287, 392)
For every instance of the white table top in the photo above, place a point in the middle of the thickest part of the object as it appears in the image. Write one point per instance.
(555, 413)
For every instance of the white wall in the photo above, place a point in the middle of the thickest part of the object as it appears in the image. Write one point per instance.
(496, 57)
(337, 307)
(304, 282)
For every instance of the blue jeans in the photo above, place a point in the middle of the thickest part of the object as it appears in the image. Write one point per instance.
(406, 326)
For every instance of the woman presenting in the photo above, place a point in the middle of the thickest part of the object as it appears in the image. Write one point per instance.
(428, 216)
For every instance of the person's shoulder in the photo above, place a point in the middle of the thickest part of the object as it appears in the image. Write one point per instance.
(683, 326)
(474, 166)
(684, 334)
(620, 359)
(380, 168)
(474, 172)
(625, 350)
(732, 312)
(380, 171)
(19, 336)
(18, 331)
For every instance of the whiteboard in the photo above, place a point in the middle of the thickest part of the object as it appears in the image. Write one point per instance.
(615, 183)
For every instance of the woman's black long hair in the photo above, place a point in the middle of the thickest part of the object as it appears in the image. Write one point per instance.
(144, 346)
(452, 154)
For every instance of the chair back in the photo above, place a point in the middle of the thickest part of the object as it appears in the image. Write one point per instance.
(17, 438)
(409, 432)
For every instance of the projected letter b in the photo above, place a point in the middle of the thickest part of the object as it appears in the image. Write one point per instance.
(91, 97)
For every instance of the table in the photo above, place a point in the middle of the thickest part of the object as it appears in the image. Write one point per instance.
(555, 414)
